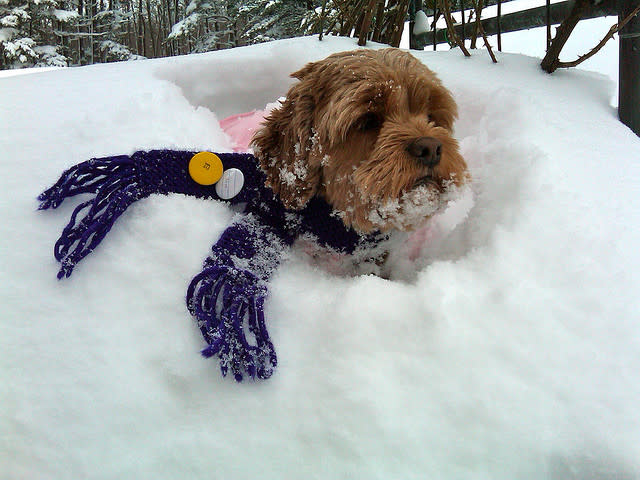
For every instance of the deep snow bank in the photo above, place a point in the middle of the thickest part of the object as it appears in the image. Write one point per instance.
(513, 352)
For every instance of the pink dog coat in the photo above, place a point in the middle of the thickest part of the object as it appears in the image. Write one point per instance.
(241, 127)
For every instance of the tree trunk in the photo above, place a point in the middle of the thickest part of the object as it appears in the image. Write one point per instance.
(377, 32)
(551, 59)
(141, 43)
(150, 30)
(366, 23)
(398, 23)
(92, 43)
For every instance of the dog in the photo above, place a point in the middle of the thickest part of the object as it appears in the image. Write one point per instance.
(370, 132)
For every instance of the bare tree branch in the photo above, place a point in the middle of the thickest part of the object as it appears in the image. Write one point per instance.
(615, 28)
(478, 8)
(550, 61)
(446, 8)
(476, 29)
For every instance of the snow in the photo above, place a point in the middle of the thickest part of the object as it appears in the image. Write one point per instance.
(512, 352)
(421, 23)
(14, 72)
(65, 15)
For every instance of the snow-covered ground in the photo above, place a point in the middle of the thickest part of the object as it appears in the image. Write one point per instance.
(513, 353)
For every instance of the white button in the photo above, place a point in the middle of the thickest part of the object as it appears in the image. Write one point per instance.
(230, 184)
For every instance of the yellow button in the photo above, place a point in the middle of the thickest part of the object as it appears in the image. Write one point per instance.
(205, 168)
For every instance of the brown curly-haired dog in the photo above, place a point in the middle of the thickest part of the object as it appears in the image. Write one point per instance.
(371, 132)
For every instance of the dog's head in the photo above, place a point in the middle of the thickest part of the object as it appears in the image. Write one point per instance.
(370, 132)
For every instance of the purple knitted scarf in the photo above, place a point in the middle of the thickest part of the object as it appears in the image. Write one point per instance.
(227, 297)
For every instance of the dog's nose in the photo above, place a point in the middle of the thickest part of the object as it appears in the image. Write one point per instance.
(426, 150)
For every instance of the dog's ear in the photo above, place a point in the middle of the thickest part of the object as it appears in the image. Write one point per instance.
(283, 145)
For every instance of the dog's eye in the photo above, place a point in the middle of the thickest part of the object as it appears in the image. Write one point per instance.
(369, 121)
(431, 119)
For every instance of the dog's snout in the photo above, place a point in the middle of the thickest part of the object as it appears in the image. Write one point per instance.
(426, 150)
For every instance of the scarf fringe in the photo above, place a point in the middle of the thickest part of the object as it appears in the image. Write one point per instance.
(229, 304)
(115, 185)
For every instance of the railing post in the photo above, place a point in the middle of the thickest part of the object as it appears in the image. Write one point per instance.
(629, 82)
(435, 19)
(548, 19)
(499, 20)
(463, 12)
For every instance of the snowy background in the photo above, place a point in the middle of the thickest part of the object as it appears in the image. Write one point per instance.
(513, 352)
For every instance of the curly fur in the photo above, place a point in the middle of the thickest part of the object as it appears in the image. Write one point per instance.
(344, 132)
